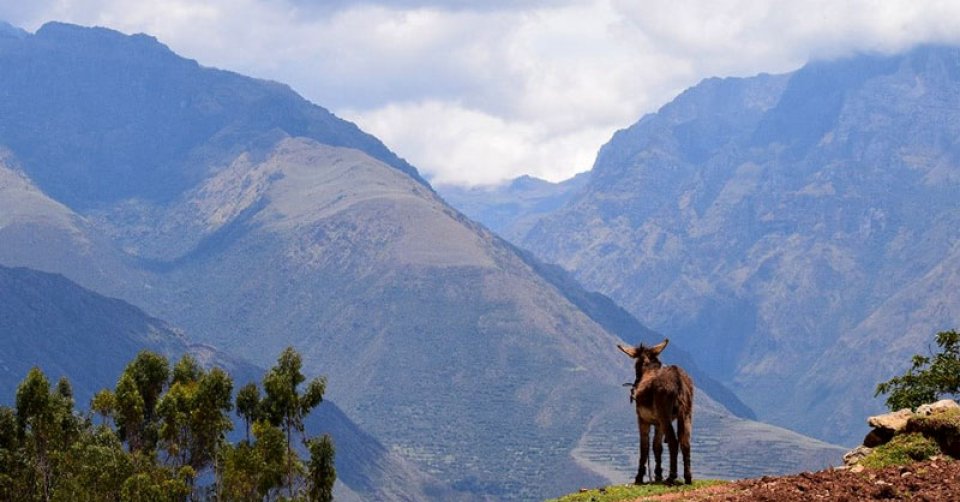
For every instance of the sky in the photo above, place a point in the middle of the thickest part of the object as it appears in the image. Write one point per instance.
(480, 92)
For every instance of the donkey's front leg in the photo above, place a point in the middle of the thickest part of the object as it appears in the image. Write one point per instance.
(644, 451)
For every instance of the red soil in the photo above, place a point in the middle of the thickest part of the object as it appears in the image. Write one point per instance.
(931, 480)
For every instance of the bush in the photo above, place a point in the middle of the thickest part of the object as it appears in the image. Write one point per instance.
(901, 450)
(928, 378)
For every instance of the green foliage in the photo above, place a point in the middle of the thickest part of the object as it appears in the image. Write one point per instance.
(928, 378)
(193, 414)
(242, 472)
(104, 403)
(49, 452)
(248, 405)
(150, 372)
(323, 473)
(617, 493)
(945, 423)
(285, 406)
(33, 403)
(95, 465)
(901, 450)
(129, 412)
(46, 427)
(157, 484)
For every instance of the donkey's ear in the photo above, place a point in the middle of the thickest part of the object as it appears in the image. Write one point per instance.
(658, 348)
(630, 351)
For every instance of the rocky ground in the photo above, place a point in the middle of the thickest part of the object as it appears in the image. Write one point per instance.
(937, 479)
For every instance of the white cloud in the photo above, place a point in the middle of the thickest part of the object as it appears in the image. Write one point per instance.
(485, 149)
(478, 92)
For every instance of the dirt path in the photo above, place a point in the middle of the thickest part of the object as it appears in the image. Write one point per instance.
(932, 480)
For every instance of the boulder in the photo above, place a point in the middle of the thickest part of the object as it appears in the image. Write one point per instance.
(877, 437)
(854, 456)
(938, 407)
(892, 422)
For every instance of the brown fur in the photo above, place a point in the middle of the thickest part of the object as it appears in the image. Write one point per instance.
(662, 395)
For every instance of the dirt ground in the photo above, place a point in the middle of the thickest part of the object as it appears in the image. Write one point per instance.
(932, 480)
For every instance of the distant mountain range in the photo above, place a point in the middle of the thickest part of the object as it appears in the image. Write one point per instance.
(797, 233)
(510, 210)
(255, 220)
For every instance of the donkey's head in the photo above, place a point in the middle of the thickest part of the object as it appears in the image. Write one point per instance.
(647, 358)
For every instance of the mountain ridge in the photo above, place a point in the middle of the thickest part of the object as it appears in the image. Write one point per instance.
(762, 219)
(170, 131)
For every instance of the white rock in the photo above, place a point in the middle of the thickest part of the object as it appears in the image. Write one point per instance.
(938, 407)
(891, 421)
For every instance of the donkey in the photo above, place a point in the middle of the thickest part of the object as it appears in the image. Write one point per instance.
(661, 394)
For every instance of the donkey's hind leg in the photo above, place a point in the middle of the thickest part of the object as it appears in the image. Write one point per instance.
(684, 425)
(657, 453)
(671, 439)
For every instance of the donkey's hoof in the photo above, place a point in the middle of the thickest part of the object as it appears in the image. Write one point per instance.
(638, 480)
(688, 480)
(670, 481)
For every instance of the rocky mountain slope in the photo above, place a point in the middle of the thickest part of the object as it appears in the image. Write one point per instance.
(52, 323)
(260, 220)
(796, 232)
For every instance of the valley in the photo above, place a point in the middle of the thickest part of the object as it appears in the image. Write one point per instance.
(755, 221)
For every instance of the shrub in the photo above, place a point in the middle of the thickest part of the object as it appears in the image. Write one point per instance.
(929, 378)
(901, 450)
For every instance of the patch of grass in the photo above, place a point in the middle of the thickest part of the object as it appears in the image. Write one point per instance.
(901, 450)
(945, 422)
(617, 493)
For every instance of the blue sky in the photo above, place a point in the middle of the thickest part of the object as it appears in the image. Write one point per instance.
(480, 92)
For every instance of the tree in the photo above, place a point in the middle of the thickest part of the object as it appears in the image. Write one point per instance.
(322, 473)
(35, 420)
(129, 414)
(150, 371)
(248, 405)
(253, 471)
(11, 460)
(137, 394)
(193, 417)
(94, 467)
(105, 404)
(47, 429)
(50, 452)
(929, 377)
(283, 404)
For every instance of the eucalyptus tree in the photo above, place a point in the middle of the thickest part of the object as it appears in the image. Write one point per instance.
(248, 405)
(322, 472)
(285, 406)
(137, 393)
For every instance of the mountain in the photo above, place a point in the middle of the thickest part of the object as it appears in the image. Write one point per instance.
(511, 209)
(259, 221)
(44, 234)
(70, 91)
(52, 323)
(786, 228)
(7, 30)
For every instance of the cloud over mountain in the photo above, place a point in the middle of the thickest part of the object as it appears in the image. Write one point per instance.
(559, 77)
